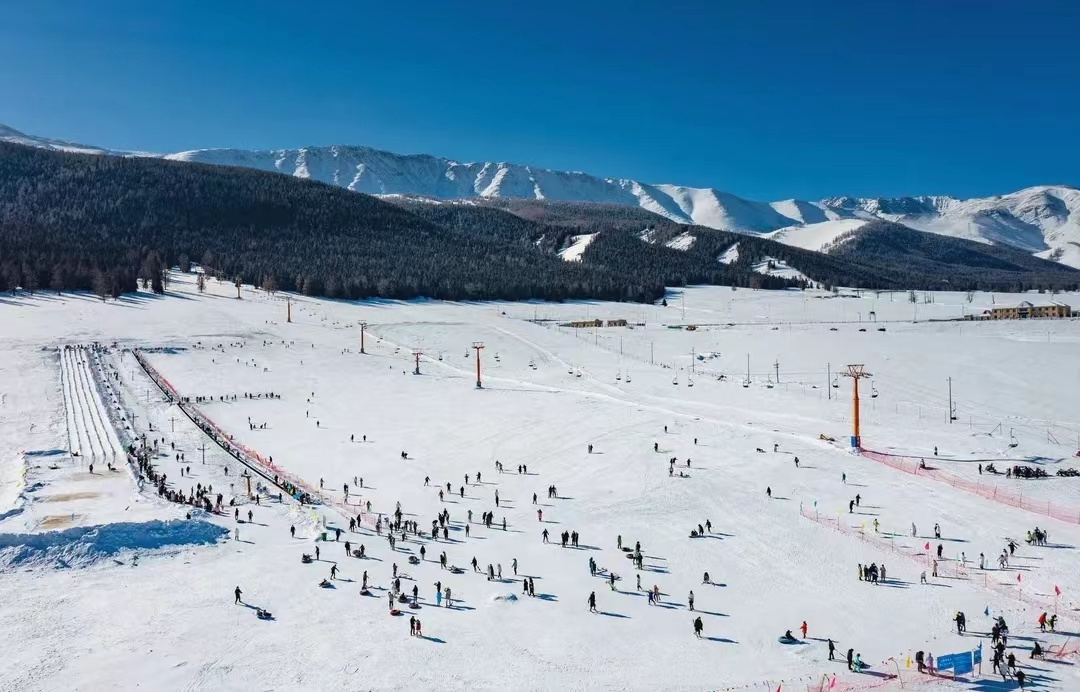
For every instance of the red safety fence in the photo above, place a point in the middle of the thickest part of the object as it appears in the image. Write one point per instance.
(299, 488)
(917, 466)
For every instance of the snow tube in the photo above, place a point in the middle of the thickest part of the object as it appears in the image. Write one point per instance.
(786, 640)
(365, 592)
(395, 611)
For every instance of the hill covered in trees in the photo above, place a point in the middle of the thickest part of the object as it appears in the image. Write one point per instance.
(106, 224)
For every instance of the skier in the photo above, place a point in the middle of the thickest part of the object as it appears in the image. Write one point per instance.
(592, 602)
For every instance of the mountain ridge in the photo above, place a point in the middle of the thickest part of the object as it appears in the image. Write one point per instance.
(1043, 220)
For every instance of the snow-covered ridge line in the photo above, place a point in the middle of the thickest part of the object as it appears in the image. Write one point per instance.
(1042, 220)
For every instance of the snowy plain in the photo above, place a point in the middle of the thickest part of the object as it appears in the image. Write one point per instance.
(146, 606)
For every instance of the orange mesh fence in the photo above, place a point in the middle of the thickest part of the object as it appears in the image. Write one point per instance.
(916, 466)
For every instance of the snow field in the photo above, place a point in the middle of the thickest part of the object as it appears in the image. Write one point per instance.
(549, 393)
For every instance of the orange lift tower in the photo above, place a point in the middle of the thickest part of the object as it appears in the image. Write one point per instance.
(856, 373)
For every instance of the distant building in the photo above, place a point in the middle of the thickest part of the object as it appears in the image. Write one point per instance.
(1025, 311)
(589, 324)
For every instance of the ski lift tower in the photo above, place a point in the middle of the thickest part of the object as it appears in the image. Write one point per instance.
(477, 346)
(416, 357)
(856, 373)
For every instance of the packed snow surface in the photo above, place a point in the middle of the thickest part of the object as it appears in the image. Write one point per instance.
(154, 606)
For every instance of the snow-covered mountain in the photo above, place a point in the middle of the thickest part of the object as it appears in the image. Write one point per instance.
(10, 134)
(1042, 220)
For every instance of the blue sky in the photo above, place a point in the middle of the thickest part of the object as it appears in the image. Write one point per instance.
(767, 100)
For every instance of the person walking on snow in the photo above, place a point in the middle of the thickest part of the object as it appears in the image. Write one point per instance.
(592, 602)
(803, 629)
(690, 600)
(237, 592)
(698, 627)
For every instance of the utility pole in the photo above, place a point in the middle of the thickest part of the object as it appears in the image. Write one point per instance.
(777, 366)
(477, 346)
(416, 356)
(952, 411)
(692, 356)
(288, 309)
(203, 448)
(856, 373)
(172, 421)
(747, 368)
(828, 379)
(363, 326)
(651, 344)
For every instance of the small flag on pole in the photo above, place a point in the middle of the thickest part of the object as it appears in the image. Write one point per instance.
(987, 611)
(927, 546)
(1017, 577)
(1057, 591)
(832, 683)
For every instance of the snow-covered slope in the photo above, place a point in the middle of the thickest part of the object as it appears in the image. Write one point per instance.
(10, 134)
(1041, 220)
(817, 236)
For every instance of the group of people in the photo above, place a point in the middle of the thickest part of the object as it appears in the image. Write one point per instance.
(872, 573)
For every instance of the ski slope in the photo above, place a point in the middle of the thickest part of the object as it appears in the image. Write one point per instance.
(167, 617)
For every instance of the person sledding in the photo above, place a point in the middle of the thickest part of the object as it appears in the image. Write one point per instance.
(787, 638)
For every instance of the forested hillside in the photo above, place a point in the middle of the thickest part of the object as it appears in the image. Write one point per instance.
(99, 223)
(104, 223)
